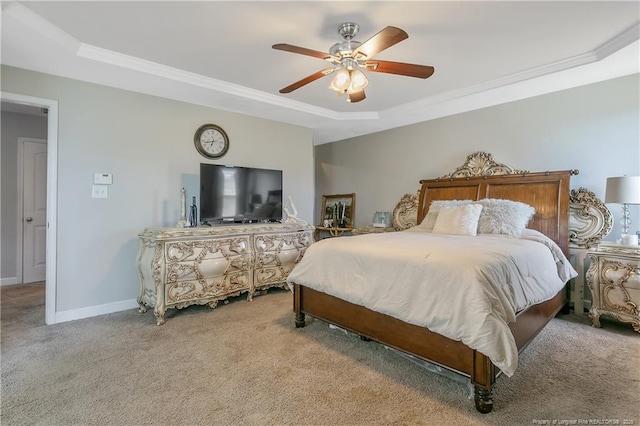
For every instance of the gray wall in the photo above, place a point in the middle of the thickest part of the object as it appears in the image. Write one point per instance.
(147, 144)
(14, 126)
(593, 128)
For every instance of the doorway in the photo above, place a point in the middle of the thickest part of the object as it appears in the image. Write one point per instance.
(32, 209)
(49, 231)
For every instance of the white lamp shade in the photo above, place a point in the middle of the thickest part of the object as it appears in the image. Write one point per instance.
(623, 190)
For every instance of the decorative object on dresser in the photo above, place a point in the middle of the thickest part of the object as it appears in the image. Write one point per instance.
(179, 267)
(292, 213)
(182, 223)
(623, 190)
(337, 215)
(589, 222)
(614, 281)
(480, 177)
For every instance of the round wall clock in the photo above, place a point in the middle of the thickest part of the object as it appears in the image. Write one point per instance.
(211, 141)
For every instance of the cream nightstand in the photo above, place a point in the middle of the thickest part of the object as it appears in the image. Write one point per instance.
(614, 281)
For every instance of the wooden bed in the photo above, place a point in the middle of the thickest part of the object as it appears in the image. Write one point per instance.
(480, 177)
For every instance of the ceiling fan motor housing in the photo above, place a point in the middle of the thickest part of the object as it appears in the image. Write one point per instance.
(344, 48)
(348, 31)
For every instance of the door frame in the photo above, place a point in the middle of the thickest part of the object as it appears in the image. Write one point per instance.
(52, 195)
(20, 201)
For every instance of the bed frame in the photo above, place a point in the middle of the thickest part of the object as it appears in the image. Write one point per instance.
(480, 177)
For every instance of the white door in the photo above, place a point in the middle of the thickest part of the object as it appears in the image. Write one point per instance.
(34, 211)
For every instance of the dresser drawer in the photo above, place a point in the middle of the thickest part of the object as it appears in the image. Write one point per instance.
(267, 277)
(619, 280)
(196, 250)
(186, 292)
(276, 255)
(614, 281)
(264, 243)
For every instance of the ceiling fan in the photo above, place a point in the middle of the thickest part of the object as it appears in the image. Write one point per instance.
(350, 58)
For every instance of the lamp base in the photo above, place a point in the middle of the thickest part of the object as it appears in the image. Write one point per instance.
(626, 219)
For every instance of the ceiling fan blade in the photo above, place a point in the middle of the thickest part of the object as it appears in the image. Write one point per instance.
(381, 41)
(307, 80)
(400, 68)
(357, 96)
(302, 50)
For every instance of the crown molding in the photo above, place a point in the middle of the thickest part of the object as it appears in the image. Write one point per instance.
(38, 23)
(329, 123)
(117, 59)
(619, 42)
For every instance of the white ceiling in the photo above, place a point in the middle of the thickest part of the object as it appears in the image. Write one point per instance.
(219, 54)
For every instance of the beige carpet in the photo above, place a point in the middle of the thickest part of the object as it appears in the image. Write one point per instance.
(245, 364)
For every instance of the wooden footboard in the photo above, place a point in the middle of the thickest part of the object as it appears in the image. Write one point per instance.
(419, 341)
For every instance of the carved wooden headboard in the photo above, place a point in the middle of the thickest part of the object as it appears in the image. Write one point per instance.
(481, 177)
(589, 219)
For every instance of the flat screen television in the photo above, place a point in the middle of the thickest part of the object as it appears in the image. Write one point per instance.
(230, 194)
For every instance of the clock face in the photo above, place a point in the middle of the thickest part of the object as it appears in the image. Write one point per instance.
(211, 141)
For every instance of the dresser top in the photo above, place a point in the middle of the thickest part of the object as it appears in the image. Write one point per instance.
(611, 247)
(222, 230)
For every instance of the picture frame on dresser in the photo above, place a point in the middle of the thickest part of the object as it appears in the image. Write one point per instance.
(338, 210)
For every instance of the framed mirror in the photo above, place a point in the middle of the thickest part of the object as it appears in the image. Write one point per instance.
(338, 210)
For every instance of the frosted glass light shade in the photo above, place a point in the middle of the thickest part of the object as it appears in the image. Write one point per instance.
(358, 81)
(340, 82)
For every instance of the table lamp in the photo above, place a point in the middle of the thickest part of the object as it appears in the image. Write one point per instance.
(623, 190)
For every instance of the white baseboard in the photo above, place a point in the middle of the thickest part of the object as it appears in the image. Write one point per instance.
(94, 311)
(9, 281)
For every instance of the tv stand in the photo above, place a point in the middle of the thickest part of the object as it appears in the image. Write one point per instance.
(180, 267)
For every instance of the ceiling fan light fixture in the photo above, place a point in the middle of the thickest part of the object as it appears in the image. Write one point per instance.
(341, 81)
(358, 81)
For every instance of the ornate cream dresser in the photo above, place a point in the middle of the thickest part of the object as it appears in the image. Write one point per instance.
(614, 280)
(179, 267)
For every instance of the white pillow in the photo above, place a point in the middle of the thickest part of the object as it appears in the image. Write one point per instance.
(458, 220)
(504, 216)
(430, 218)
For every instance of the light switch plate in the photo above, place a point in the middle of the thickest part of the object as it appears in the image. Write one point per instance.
(103, 178)
(99, 191)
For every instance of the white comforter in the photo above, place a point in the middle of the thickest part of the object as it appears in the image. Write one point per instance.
(465, 288)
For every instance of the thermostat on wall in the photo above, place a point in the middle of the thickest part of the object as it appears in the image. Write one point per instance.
(103, 178)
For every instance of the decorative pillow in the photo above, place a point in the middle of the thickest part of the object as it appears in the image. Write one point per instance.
(458, 220)
(504, 216)
(430, 218)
